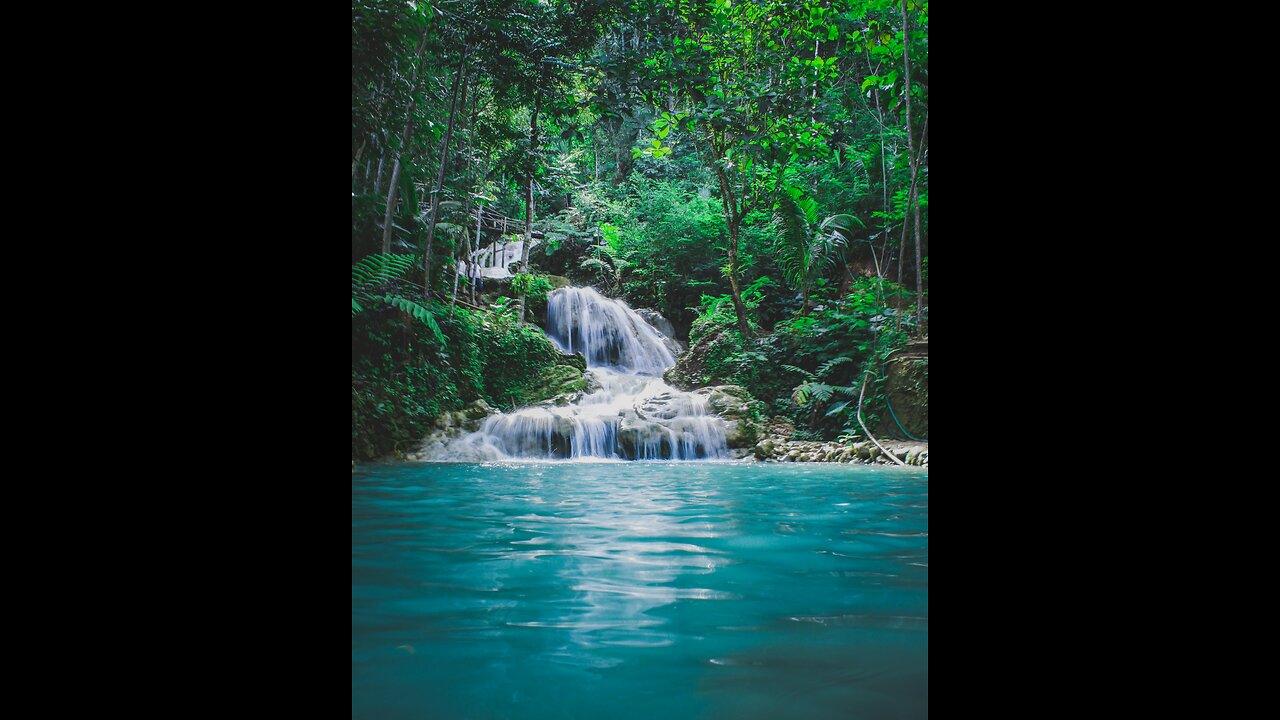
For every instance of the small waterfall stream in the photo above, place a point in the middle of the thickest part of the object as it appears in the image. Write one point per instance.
(632, 414)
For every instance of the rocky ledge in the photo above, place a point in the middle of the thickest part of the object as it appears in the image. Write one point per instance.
(777, 449)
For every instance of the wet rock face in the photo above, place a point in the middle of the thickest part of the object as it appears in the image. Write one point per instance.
(664, 326)
(640, 439)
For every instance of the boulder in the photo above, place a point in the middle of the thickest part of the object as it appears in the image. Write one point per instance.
(741, 433)
(733, 401)
(478, 409)
(690, 370)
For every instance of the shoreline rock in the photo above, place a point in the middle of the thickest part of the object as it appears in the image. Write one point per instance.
(777, 448)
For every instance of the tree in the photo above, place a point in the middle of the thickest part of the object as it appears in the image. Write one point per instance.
(749, 99)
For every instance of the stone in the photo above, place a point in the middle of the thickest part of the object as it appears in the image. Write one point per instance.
(478, 409)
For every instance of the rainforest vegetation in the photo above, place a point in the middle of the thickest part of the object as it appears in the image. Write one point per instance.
(757, 171)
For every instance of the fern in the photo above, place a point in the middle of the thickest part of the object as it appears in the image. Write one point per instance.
(826, 367)
(798, 370)
(378, 269)
(419, 312)
(821, 391)
(800, 395)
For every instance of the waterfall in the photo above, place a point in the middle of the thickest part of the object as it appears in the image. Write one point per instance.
(631, 415)
(607, 332)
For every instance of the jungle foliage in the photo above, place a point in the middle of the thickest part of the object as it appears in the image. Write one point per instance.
(755, 170)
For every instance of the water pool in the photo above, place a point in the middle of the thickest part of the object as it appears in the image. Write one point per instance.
(639, 590)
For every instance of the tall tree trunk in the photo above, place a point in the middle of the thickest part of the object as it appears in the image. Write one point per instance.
(444, 163)
(356, 160)
(404, 145)
(528, 207)
(884, 187)
(733, 221)
(471, 266)
(738, 306)
(466, 240)
(915, 163)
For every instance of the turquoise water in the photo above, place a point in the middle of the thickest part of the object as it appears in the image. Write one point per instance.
(657, 590)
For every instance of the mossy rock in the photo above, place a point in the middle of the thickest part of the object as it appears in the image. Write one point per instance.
(741, 433)
(734, 401)
(573, 360)
(692, 369)
(560, 384)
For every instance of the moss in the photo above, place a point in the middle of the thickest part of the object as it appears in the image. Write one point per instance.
(552, 382)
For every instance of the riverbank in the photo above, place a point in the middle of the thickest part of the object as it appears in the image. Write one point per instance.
(778, 449)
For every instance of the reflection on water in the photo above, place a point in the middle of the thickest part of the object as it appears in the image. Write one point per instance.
(628, 590)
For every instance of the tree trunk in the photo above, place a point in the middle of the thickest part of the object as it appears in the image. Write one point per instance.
(471, 266)
(444, 163)
(528, 207)
(738, 306)
(915, 163)
(356, 160)
(404, 144)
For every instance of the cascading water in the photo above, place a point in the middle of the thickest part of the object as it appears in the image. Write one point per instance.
(632, 415)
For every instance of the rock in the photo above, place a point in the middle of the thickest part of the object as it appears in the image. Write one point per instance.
(664, 328)
(690, 370)
(557, 385)
(576, 360)
(764, 449)
(662, 406)
(729, 400)
(781, 427)
(478, 409)
(741, 433)
(636, 435)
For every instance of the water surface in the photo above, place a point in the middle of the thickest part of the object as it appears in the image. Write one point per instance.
(639, 590)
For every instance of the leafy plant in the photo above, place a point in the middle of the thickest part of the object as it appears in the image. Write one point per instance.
(807, 246)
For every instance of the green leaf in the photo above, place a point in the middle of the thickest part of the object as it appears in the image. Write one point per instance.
(833, 32)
